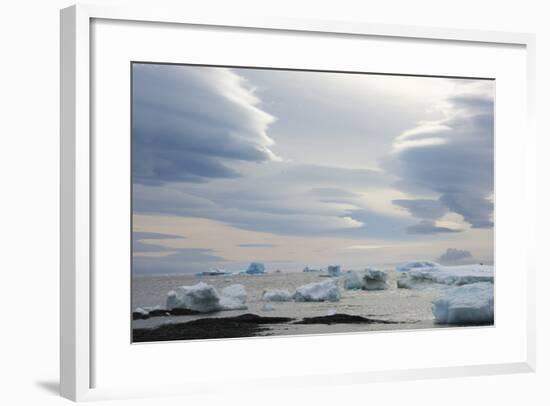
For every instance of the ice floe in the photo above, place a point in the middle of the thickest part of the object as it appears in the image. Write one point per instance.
(267, 307)
(467, 304)
(233, 297)
(308, 269)
(205, 298)
(255, 268)
(353, 280)
(446, 275)
(375, 279)
(276, 295)
(416, 265)
(334, 270)
(369, 279)
(213, 272)
(318, 292)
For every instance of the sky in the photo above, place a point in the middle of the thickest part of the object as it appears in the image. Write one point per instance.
(296, 168)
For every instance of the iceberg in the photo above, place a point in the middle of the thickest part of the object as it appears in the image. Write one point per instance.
(446, 275)
(255, 268)
(467, 304)
(276, 295)
(353, 280)
(308, 269)
(233, 297)
(375, 279)
(267, 307)
(318, 292)
(200, 297)
(415, 265)
(213, 272)
(205, 298)
(369, 279)
(334, 270)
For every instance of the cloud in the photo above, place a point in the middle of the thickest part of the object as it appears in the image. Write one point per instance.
(451, 158)
(185, 260)
(139, 246)
(283, 198)
(189, 124)
(454, 255)
(429, 227)
(423, 208)
(256, 245)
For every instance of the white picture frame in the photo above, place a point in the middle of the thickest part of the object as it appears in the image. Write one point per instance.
(77, 187)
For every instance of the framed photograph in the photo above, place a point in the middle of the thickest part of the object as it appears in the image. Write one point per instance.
(282, 202)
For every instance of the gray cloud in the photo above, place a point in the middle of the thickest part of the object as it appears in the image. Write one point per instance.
(282, 198)
(454, 255)
(190, 123)
(429, 227)
(423, 208)
(252, 245)
(452, 158)
(185, 260)
(139, 246)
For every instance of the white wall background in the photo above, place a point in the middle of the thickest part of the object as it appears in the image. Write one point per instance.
(29, 204)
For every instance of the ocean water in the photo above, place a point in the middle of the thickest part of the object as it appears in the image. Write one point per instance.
(410, 307)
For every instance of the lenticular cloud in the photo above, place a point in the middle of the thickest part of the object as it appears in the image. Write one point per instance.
(189, 124)
(452, 158)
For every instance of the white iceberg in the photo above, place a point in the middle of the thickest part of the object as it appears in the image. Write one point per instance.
(467, 304)
(205, 298)
(267, 307)
(375, 279)
(200, 297)
(416, 265)
(255, 268)
(233, 297)
(213, 272)
(369, 279)
(142, 311)
(276, 295)
(353, 280)
(318, 292)
(446, 275)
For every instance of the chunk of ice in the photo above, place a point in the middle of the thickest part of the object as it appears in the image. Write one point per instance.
(334, 270)
(205, 298)
(375, 279)
(200, 297)
(233, 297)
(255, 268)
(446, 275)
(416, 265)
(276, 295)
(467, 304)
(318, 292)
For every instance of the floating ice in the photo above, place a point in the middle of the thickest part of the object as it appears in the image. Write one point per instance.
(200, 297)
(142, 311)
(255, 268)
(415, 265)
(233, 297)
(446, 275)
(353, 280)
(467, 304)
(213, 272)
(375, 279)
(205, 298)
(267, 307)
(318, 292)
(308, 269)
(334, 270)
(276, 295)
